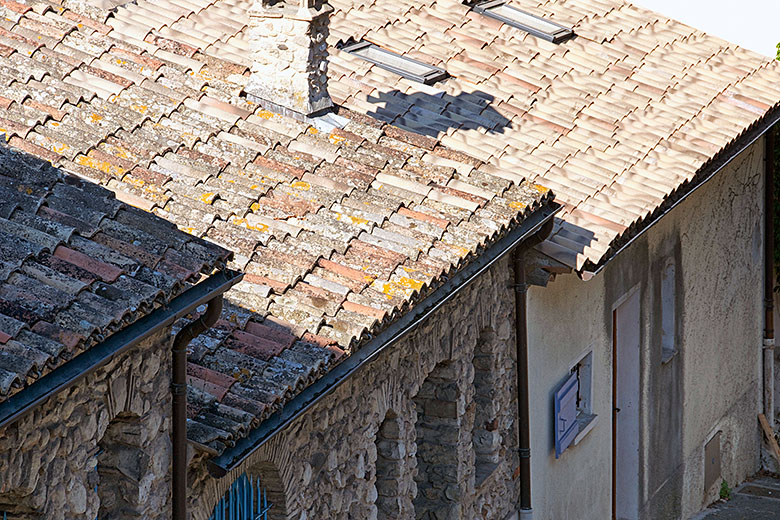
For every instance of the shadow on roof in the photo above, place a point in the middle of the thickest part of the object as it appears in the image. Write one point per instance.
(436, 114)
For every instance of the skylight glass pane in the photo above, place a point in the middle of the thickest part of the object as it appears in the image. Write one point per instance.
(401, 65)
(375, 54)
(532, 24)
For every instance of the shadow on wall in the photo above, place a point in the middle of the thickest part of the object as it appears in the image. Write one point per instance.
(436, 114)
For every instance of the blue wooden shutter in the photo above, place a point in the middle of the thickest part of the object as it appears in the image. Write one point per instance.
(566, 414)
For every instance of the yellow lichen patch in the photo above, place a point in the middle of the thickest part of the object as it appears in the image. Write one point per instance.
(55, 124)
(541, 189)
(251, 187)
(141, 109)
(337, 139)
(265, 114)
(313, 131)
(517, 205)
(410, 283)
(95, 118)
(301, 185)
(357, 220)
(134, 181)
(254, 207)
(103, 166)
(243, 222)
(60, 148)
(208, 197)
(189, 230)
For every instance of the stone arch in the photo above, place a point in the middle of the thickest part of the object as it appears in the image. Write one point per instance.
(273, 488)
(437, 433)
(120, 477)
(485, 435)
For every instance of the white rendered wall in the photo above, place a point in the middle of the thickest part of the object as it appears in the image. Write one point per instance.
(713, 383)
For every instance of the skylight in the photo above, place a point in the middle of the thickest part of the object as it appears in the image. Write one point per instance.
(527, 22)
(407, 67)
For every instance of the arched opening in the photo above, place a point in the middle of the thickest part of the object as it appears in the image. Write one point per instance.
(122, 470)
(257, 494)
(390, 464)
(485, 435)
(437, 435)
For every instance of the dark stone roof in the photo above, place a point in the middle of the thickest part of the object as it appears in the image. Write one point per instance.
(77, 265)
(340, 224)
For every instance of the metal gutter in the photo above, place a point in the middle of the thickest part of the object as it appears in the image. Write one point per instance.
(20, 404)
(725, 157)
(299, 404)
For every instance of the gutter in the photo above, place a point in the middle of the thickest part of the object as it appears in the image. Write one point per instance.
(521, 345)
(769, 275)
(244, 448)
(722, 160)
(67, 375)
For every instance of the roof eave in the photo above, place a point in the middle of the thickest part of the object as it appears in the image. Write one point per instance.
(705, 173)
(244, 448)
(65, 376)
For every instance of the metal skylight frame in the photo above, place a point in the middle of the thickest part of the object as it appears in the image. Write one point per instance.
(530, 23)
(404, 66)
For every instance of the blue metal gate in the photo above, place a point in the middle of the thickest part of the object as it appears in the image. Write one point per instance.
(245, 500)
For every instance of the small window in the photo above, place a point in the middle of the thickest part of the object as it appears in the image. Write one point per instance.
(668, 312)
(401, 65)
(527, 22)
(574, 417)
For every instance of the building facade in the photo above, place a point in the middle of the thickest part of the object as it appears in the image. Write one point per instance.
(427, 428)
(697, 394)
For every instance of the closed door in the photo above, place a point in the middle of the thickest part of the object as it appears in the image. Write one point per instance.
(625, 394)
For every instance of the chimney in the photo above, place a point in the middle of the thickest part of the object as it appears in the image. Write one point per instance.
(289, 50)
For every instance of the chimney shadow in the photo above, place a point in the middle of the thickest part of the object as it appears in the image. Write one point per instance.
(435, 114)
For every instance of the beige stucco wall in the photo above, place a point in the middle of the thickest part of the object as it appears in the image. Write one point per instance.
(712, 385)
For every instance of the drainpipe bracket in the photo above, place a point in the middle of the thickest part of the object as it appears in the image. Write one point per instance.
(526, 514)
(524, 453)
(519, 287)
(769, 343)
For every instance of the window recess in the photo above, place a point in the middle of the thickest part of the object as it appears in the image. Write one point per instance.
(406, 67)
(540, 27)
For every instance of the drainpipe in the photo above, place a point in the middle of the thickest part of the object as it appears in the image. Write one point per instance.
(769, 252)
(179, 392)
(521, 334)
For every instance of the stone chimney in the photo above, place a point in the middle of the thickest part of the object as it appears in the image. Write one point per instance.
(288, 43)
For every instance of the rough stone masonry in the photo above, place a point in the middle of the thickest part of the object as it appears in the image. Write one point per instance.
(427, 430)
(100, 447)
(289, 57)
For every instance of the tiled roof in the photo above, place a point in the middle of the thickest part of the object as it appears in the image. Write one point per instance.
(340, 227)
(77, 265)
(615, 120)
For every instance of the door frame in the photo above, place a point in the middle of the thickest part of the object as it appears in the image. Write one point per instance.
(620, 301)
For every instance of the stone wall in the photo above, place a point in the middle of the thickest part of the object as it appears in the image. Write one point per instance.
(396, 438)
(289, 58)
(100, 446)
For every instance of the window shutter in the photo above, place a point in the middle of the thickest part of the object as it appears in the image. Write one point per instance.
(566, 414)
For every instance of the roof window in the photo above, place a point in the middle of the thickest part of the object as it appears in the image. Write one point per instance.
(407, 67)
(527, 22)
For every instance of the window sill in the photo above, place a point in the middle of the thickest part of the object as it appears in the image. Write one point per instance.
(585, 423)
(667, 355)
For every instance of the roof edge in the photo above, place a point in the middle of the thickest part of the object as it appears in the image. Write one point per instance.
(705, 173)
(266, 430)
(65, 376)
